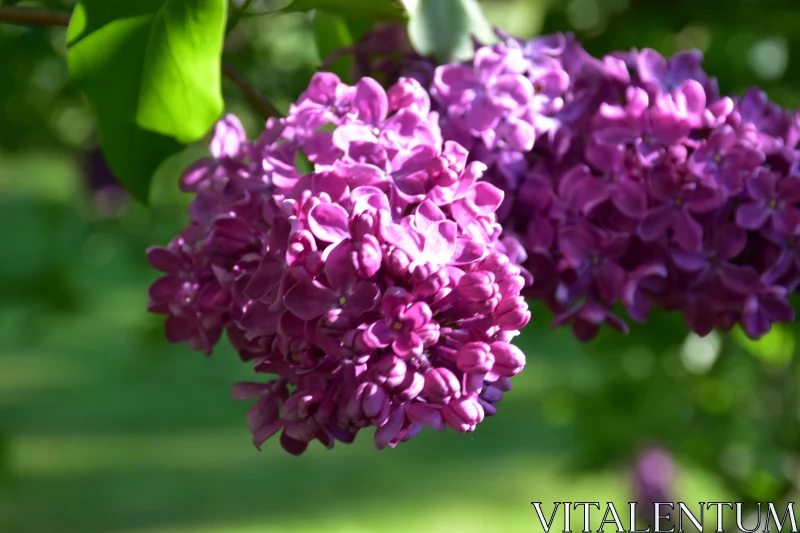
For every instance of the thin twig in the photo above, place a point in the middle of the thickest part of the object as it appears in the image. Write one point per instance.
(237, 15)
(27, 16)
(259, 103)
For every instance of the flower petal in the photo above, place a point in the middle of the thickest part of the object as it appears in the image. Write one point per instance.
(656, 223)
(389, 430)
(370, 101)
(688, 232)
(163, 259)
(364, 297)
(467, 252)
(752, 215)
(308, 299)
(440, 242)
(328, 222)
(427, 214)
(402, 238)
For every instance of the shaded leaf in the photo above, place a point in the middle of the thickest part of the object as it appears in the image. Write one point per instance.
(444, 28)
(150, 69)
(352, 9)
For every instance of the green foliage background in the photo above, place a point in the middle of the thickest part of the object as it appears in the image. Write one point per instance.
(106, 428)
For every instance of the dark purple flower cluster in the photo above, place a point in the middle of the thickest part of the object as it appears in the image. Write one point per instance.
(632, 182)
(373, 286)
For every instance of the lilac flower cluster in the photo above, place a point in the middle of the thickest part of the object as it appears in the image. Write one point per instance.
(632, 182)
(374, 286)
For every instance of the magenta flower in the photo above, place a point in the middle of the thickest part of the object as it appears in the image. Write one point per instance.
(590, 258)
(681, 201)
(405, 326)
(724, 160)
(724, 242)
(489, 97)
(764, 308)
(650, 129)
(667, 75)
(771, 200)
(375, 288)
(653, 479)
(643, 187)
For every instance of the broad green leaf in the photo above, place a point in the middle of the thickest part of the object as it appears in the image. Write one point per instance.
(352, 9)
(331, 34)
(150, 70)
(181, 91)
(444, 28)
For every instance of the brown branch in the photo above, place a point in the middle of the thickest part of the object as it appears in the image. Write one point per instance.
(259, 103)
(27, 16)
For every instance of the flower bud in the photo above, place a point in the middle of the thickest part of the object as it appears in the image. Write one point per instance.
(463, 415)
(314, 263)
(494, 261)
(485, 307)
(389, 430)
(411, 386)
(489, 409)
(368, 403)
(375, 403)
(508, 359)
(409, 94)
(474, 383)
(441, 385)
(512, 313)
(431, 284)
(397, 262)
(390, 371)
(302, 404)
(511, 286)
(475, 357)
(426, 414)
(492, 394)
(477, 286)
(367, 257)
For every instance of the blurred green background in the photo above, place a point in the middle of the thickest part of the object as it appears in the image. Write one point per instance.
(106, 428)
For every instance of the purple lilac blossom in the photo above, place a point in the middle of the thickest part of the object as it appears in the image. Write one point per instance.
(385, 52)
(108, 196)
(632, 183)
(653, 478)
(375, 288)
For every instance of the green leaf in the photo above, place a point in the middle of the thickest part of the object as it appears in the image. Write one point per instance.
(775, 348)
(352, 9)
(181, 93)
(444, 28)
(150, 70)
(331, 34)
